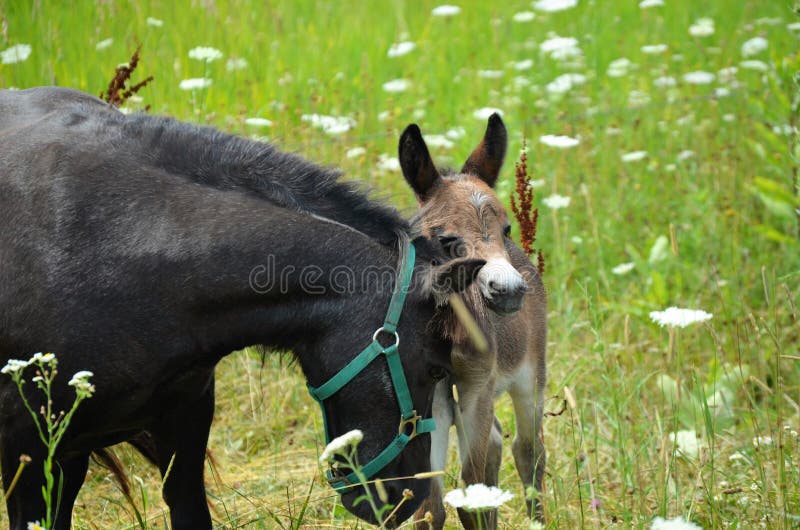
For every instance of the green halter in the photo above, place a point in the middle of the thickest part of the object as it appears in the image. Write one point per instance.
(411, 424)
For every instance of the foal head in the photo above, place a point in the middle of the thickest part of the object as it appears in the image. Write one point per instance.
(462, 211)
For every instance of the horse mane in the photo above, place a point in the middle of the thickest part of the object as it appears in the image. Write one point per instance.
(224, 161)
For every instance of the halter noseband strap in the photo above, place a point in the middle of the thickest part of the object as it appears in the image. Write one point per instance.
(411, 424)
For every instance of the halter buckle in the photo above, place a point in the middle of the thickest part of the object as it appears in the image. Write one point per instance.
(383, 330)
(412, 421)
(336, 474)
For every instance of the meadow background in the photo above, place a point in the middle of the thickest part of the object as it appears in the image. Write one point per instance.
(682, 191)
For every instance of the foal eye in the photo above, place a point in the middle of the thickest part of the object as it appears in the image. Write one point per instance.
(507, 231)
(437, 373)
(453, 246)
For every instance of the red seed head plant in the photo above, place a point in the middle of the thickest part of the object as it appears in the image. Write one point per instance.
(117, 92)
(522, 205)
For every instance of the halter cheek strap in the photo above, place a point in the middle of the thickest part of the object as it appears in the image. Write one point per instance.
(411, 423)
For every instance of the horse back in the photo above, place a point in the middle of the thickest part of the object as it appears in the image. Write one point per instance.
(19, 107)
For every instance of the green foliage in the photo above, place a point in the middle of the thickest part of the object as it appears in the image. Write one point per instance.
(708, 217)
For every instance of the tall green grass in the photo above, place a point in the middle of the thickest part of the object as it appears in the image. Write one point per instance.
(725, 211)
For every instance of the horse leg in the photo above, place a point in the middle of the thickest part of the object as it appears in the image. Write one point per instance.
(476, 407)
(494, 454)
(528, 446)
(180, 438)
(440, 440)
(73, 472)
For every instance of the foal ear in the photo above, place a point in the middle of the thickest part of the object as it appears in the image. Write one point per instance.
(487, 159)
(456, 275)
(416, 163)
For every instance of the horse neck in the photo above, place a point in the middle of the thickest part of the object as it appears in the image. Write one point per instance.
(256, 274)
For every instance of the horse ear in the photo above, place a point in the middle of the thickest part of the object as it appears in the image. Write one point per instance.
(487, 159)
(456, 275)
(416, 163)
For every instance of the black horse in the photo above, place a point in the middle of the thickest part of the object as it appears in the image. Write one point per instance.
(145, 249)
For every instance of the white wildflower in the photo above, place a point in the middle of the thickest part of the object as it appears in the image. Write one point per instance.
(388, 163)
(754, 46)
(633, 156)
(559, 141)
(556, 201)
(195, 83)
(653, 49)
(15, 54)
(483, 113)
(619, 67)
(258, 122)
(396, 85)
(699, 77)
(685, 155)
(551, 6)
(205, 53)
(702, 28)
(525, 64)
(678, 523)
(737, 457)
(523, 16)
(81, 382)
(355, 152)
(784, 129)
(456, 133)
(754, 64)
(623, 268)
(559, 48)
(445, 11)
(14, 365)
(490, 74)
(535, 184)
(646, 4)
(477, 497)
(340, 444)
(564, 83)
(42, 358)
(637, 98)
(679, 317)
(329, 124)
(401, 48)
(687, 442)
(438, 140)
(793, 26)
(659, 251)
(235, 63)
(728, 74)
(762, 441)
(36, 526)
(155, 22)
(103, 44)
(665, 81)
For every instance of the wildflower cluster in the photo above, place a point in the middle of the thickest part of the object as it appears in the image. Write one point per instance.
(50, 424)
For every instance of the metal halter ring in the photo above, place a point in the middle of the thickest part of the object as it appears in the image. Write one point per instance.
(381, 330)
(410, 421)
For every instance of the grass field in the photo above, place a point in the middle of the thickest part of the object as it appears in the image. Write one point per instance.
(683, 192)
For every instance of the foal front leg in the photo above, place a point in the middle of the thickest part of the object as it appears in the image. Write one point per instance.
(528, 445)
(180, 438)
(474, 425)
(440, 440)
